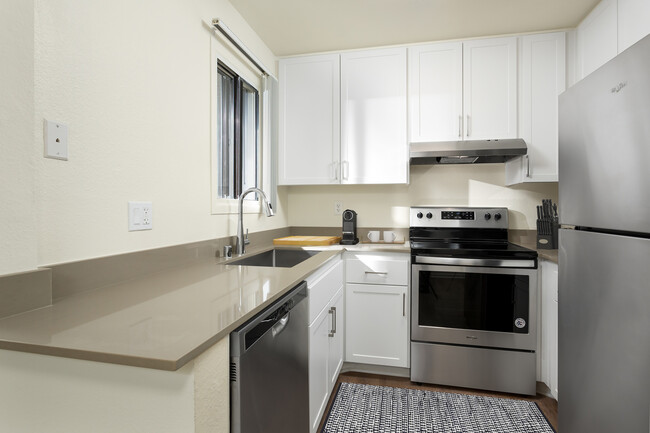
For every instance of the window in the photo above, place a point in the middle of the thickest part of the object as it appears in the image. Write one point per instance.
(237, 141)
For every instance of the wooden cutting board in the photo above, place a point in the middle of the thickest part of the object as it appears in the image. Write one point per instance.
(307, 240)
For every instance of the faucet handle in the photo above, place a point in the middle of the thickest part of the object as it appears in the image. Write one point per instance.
(246, 240)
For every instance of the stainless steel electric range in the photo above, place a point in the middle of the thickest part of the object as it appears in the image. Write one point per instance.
(474, 301)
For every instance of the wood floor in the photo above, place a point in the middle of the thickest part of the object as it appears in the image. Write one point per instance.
(547, 405)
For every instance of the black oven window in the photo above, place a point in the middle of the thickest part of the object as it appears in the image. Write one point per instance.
(487, 302)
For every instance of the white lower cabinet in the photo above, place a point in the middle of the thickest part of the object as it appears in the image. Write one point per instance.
(377, 325)
(377, 309)
(549, 340)
(336, 346)
(325, 336)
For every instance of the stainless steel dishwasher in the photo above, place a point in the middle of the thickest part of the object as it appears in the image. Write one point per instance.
(269, 372)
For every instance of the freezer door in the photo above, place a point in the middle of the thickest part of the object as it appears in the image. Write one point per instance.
(604, 333)
(604, 134)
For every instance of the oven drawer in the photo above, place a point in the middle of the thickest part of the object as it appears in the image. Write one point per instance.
(474, 367)
(377, 269)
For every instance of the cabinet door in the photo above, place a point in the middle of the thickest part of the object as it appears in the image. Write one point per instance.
(335, 359)
(436, 92)
(318, 360)
(490, 88)
(376, 325)
(597, 38)
(633, 22)
(374, 147)
(309, 132)
(543, 78)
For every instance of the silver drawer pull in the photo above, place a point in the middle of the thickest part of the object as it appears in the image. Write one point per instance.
(404, 304)
(376, 273)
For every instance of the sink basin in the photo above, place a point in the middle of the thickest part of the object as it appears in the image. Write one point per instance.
(275, 258)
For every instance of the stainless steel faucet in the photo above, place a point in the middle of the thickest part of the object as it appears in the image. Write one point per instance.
(241, 240)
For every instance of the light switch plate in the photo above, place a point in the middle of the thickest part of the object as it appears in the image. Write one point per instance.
(55, 135)
(140, 215)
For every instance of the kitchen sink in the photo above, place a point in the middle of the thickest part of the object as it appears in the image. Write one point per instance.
(275, 258)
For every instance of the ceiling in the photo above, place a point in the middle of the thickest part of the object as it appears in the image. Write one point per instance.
(306, 26)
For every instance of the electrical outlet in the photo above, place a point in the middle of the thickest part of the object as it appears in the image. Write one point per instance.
(338, 207)
(56, 140)
(140, 215)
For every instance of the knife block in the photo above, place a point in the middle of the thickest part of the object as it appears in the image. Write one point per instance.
(550, 241)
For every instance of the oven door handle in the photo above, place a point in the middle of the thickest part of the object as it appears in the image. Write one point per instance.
(495, 263)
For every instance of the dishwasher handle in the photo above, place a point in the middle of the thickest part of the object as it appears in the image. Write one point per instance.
(280, 325)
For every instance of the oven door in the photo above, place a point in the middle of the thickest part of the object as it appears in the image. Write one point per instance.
(474, 306)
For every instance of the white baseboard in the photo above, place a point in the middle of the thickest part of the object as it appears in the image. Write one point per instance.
(375, 369)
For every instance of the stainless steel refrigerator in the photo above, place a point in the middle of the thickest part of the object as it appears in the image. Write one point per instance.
(604, 260)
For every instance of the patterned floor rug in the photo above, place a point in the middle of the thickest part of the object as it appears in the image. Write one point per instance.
(382, 409)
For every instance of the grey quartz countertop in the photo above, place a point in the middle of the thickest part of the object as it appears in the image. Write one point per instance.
(165, 319)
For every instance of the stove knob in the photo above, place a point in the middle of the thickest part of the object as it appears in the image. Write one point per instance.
(488, 216)
(419, 215)
(429, 215)
(497, 216)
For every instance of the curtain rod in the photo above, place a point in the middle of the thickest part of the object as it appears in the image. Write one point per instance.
(224, 30)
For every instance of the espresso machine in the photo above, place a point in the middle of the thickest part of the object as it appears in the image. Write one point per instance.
(349, 228)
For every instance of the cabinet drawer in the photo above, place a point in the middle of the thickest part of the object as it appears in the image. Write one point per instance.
(377, 269)
(323, 285)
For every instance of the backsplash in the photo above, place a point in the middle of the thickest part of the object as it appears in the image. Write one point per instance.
(388, 205)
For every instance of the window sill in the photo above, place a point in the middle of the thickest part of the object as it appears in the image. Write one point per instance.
(224, 206)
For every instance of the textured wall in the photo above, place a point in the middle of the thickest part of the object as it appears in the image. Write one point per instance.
(212, 389)
(18, 238)
(388, 205)
(132, 82)
(42, 393)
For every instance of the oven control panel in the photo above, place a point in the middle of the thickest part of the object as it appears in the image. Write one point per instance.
(463, 217)
(457, 215)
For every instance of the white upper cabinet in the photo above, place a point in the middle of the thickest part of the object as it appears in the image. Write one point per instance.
(597, 38)
(464, 90)
(374, 146)
(543, 78)
(436, 92)
(611, 28)
(490, 88)
(309, 133)
(633, 22)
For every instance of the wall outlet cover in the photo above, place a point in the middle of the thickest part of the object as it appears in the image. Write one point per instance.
(140, 215)
(55, 135)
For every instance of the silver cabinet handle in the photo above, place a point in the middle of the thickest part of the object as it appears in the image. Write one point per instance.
(404, 304)
(376, 273)
(346, 170)
(332, 311)
(468, 128)
(460, 126)
(527, 166)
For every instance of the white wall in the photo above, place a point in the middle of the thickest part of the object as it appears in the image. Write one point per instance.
(441, 185)
(132, 82)
(18, 239)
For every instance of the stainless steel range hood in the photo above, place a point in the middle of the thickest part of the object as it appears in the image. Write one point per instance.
(467, 152)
